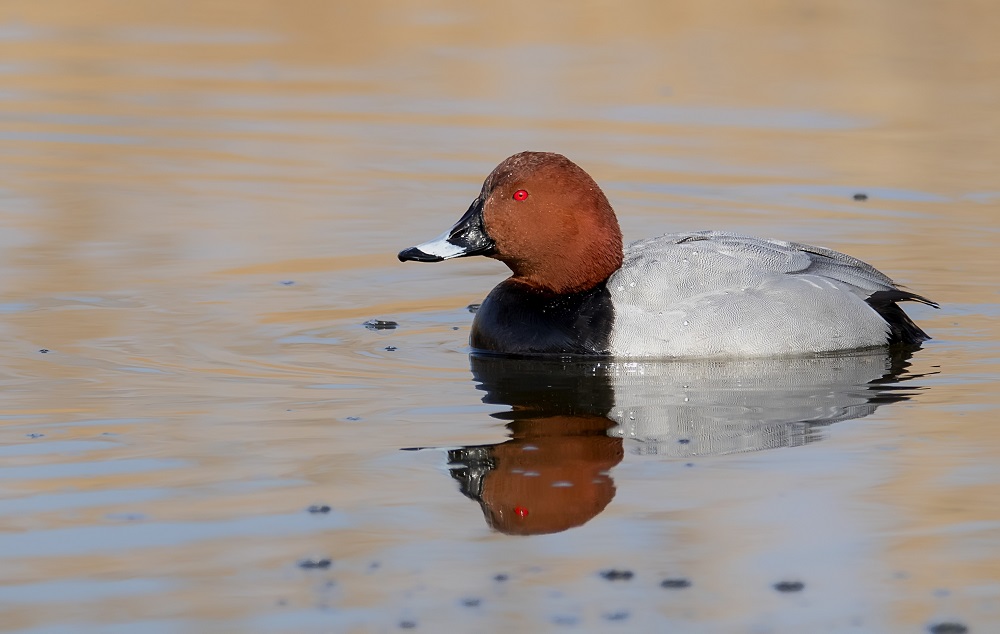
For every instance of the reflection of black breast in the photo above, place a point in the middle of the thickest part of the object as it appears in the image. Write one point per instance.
(543, 387)
(516, 319)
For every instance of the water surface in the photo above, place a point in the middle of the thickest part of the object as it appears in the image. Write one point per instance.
(201, 207)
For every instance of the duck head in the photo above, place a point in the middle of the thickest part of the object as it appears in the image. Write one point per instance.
(544, 217)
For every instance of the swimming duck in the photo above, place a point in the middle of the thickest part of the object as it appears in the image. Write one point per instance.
(574, 289)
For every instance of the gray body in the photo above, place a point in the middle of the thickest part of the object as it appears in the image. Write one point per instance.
(717, 294)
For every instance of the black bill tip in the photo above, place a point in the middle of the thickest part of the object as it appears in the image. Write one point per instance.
(415, 254)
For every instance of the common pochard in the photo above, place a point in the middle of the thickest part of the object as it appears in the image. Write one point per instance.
(576, 291)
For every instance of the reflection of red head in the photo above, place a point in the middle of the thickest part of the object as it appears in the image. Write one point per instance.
(553, 475)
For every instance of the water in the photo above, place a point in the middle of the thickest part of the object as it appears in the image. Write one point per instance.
(201, 206)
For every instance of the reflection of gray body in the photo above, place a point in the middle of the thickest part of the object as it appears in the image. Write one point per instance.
(699, 407)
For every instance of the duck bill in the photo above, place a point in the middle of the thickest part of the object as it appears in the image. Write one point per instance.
(467, 237)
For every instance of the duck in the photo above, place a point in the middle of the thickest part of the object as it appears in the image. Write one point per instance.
(576, 290)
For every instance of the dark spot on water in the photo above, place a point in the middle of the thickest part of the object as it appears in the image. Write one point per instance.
(318, 508)
(684, 441)
(454, 327)
(617, 575)
(675, 583)
(948, 628)
(391, 348)
(126, 517)
(287, 282)
(620, 615)
(353, 418)
(44, 350)
(688, 464)
(471, 602)
(500, 577)
(380, 324)
(407, 625)
(860, 196)
(34, 435)
(282, 602)
(789, 586)
(565, 620)
(315, 564)
(473, 307)
(375, 565)
(941, 592)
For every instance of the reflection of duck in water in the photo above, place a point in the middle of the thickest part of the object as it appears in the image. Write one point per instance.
(569, 422)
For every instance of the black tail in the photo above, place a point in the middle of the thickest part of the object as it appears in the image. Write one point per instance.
(901, 327)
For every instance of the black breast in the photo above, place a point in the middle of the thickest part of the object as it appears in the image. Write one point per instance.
(516, 319)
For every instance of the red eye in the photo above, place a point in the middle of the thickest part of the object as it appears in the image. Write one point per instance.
(520, 195)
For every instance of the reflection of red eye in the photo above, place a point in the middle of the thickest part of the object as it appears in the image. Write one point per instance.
(520, 511)
(520, 195)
